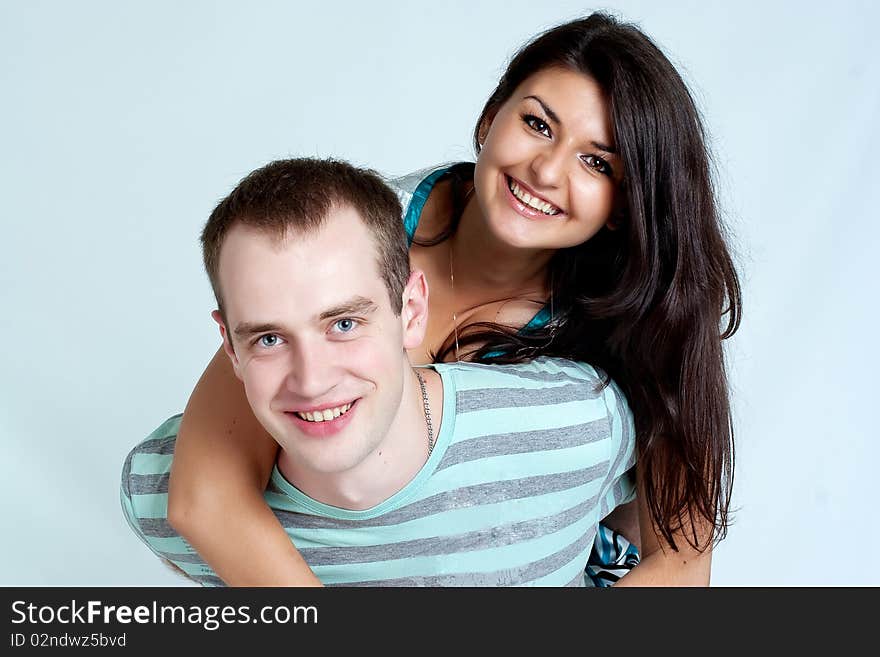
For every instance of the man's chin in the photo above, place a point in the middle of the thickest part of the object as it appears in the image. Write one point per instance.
(308, 467)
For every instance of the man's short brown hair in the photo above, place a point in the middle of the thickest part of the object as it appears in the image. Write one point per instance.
(296, 196)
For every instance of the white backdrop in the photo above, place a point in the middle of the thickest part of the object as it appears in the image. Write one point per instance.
(122, 125)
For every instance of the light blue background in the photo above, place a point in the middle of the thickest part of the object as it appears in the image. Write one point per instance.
(122, 124)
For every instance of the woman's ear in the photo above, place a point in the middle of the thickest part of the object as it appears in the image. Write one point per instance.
(485, 125)
(414, 312)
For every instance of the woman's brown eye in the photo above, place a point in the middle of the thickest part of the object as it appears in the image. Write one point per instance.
(598, 164)
(537, 124)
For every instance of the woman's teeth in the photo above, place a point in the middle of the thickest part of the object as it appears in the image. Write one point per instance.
(325, 415)
(530, 200)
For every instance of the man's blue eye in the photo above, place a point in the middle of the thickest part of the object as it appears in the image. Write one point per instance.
(269, 340)
(345, 325)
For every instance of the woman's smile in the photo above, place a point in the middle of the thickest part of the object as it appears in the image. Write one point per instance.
(530, 199)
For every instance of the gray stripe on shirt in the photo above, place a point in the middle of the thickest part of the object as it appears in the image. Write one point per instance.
(483, 399)
(542, 376)
(501, 535)
(164, 445)
(505, 577)
(157, 527)
(504, 444)
(458, 498)
(148, 484)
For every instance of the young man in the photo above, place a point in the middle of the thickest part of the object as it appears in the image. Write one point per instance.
(452, 474)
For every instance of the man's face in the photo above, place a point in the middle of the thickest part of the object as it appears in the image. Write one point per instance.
(314, 339)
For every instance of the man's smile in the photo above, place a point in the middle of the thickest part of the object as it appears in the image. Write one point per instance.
(324, 414)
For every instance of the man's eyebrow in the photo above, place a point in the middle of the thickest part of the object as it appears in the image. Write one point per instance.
(355, 306)
(553, 116)
(245, 329)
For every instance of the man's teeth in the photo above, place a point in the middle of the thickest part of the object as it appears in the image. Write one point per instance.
(325, 415)
(530, 200)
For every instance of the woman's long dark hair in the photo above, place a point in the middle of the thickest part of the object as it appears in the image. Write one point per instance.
(651, 301)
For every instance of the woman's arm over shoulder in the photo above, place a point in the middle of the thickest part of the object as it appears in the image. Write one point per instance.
(660, 565)
(222, 461)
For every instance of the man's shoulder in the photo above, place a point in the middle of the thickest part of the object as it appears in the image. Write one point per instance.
(147, 465)
(160, 442)
(543, 385)
(144, 499)
(538, 386)
(535, 373)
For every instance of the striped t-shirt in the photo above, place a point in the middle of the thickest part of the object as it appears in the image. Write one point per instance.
(528, 459)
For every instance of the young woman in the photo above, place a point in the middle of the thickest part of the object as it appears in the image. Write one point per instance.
(588, 229)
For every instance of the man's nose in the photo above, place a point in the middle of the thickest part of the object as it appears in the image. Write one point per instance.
(312, 372)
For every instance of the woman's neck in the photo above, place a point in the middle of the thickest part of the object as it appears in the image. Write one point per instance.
(482, 262)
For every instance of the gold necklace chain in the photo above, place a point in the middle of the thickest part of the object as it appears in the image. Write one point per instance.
(427, 408)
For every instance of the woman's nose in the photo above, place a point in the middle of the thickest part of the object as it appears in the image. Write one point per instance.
(548, 167)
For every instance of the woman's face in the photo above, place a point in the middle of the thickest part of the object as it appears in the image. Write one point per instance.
(547, 173)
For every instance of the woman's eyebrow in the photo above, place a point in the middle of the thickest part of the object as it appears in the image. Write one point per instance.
(604, 147)
(553, 116)
(549, 112)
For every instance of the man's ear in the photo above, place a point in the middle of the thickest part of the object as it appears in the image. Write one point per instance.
(227, 342)
(414, 314)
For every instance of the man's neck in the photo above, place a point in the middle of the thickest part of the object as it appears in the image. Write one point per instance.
(389, 468)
